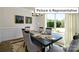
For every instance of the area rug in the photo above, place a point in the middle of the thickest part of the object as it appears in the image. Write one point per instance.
(15, 45)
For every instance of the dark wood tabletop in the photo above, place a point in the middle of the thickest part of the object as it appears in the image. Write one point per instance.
(44, 42)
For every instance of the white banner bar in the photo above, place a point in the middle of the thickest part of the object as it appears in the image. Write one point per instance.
(56, 10)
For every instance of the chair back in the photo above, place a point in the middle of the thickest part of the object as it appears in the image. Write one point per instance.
(31, 47)
(49, 30)
(74, 44)
(41, 29)
(23, 32)
(27, 28)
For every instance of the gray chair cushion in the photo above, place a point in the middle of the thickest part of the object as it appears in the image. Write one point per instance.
(74, 44)
(30, 45)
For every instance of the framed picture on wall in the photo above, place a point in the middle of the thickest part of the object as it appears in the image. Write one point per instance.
(19, 19)
(28, 20)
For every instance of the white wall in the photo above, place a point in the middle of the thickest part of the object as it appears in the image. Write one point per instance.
(8, 28)
(39, 21)
(10, 33)
(42, 21)
(8, 16)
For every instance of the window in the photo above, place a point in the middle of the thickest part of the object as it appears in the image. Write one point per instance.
(55, 20)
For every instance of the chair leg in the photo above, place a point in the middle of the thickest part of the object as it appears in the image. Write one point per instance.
(26, 50)
(23, 44)
(50, 46)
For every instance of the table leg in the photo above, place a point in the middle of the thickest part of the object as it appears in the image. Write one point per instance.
(51, 45)
(43, 49)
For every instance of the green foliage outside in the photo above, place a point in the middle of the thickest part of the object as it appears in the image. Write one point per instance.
(50, 23)
(59, 23)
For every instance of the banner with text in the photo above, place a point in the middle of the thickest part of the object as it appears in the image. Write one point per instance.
(56, 10)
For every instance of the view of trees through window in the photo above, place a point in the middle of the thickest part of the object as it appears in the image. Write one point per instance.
(57, 19)
(56, 22)
(59, 23)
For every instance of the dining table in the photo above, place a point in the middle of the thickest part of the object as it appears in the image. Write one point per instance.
(45, 40)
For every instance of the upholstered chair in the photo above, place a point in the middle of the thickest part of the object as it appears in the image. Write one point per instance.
(31, 47)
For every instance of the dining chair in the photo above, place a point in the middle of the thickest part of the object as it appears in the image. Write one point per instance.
(24, 45)
(48, 30)
(31, 47)
(41, 29)
(23, 31)
(74, 44)
(72, 48)
(27, 28)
